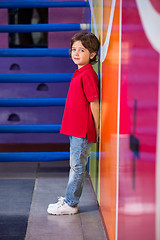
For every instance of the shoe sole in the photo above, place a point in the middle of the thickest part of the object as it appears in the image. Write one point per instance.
(61, 213)
(58, 214)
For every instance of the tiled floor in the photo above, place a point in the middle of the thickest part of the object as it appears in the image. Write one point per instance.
(50, 182)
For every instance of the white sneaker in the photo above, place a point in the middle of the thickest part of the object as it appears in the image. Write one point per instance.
(61, 208)
(60, 200)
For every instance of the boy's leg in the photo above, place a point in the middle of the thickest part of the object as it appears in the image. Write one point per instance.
(79, 152)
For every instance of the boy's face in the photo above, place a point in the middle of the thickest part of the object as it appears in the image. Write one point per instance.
(80, 55)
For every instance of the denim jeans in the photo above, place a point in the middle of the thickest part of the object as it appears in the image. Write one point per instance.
(79, 153)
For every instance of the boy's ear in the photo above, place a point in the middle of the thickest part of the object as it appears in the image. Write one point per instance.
(92, 55)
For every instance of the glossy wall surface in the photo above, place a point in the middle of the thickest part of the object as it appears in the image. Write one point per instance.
(129, 168)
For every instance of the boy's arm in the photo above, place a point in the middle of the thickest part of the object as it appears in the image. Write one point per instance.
(95, 112)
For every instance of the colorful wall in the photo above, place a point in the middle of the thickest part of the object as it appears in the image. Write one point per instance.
(126, 178)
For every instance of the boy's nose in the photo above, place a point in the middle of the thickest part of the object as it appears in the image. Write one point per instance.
(76, 53)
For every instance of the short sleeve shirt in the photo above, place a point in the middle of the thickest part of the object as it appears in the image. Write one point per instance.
(77, 118)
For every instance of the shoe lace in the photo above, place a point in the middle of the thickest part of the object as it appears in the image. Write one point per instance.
(60, 201)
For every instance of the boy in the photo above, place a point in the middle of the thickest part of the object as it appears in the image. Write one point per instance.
(80, 119)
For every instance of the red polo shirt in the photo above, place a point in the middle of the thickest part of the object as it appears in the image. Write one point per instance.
(77, 118)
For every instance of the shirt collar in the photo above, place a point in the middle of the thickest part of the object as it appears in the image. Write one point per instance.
(87, 66)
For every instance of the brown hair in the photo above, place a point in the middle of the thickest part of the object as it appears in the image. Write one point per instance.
(89, 41)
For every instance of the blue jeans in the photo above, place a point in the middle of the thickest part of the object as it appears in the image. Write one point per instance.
(79, 153)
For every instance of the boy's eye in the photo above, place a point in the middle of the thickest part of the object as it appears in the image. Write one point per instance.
(81, 50)
(73, 49)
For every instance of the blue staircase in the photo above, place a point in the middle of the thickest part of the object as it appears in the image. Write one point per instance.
(60, 77)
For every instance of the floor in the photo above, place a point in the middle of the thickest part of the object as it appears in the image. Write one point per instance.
(26, 189)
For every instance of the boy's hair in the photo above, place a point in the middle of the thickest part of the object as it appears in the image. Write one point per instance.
(89, 41)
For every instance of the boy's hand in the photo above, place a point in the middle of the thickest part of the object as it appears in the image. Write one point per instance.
(97, 135)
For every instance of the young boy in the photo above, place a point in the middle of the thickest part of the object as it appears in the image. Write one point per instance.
(80, 119)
